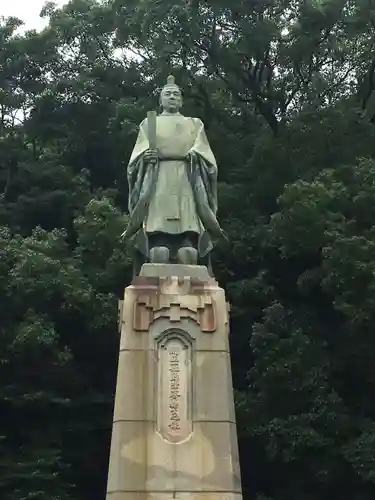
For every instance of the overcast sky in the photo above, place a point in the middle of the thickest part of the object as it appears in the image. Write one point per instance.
(27, 10)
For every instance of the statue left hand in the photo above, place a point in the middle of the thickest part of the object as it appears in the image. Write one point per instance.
(191, 156)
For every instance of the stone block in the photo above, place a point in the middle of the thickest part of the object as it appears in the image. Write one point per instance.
(135, 386)
(172, 270)
(171, 495)
(174, 432)
(212, 383)
(128, 458)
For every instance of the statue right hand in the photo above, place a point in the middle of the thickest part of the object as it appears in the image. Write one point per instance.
(151, 156)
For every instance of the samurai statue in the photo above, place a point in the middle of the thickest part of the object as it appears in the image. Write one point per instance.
(172, 177)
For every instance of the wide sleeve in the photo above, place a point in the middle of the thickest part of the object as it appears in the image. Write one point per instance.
(201, 145)
(136, 167)
(203, 169)
(140, 145)
(141, 180)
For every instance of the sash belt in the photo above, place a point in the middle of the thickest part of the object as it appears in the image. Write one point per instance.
(171, 158)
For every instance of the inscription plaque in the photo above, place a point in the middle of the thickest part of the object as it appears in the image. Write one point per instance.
(174, 389)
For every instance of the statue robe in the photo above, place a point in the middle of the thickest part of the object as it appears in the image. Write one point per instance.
(179, 193)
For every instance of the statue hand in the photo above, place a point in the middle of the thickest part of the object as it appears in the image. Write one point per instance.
(151, 156)
(191, 156)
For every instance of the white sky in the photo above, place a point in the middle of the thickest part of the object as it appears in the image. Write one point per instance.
(26, 10)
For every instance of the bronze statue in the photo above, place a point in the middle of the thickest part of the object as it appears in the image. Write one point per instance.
(172, 176)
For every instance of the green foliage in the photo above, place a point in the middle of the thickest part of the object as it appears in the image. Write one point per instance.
(286, 91)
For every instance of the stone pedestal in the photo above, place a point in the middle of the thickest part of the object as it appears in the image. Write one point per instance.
(174, 432)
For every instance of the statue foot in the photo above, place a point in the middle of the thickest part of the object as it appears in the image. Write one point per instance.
(187, 255)
(159, 255)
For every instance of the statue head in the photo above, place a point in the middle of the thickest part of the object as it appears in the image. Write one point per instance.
(171, 96)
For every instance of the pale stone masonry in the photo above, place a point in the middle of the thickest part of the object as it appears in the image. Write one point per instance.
(174, 432)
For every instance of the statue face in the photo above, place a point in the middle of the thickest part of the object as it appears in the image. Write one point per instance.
(171, 99)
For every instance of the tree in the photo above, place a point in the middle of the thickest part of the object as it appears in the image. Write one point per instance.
(285, 90)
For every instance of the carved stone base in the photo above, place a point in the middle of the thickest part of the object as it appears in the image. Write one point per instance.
(174, 431)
